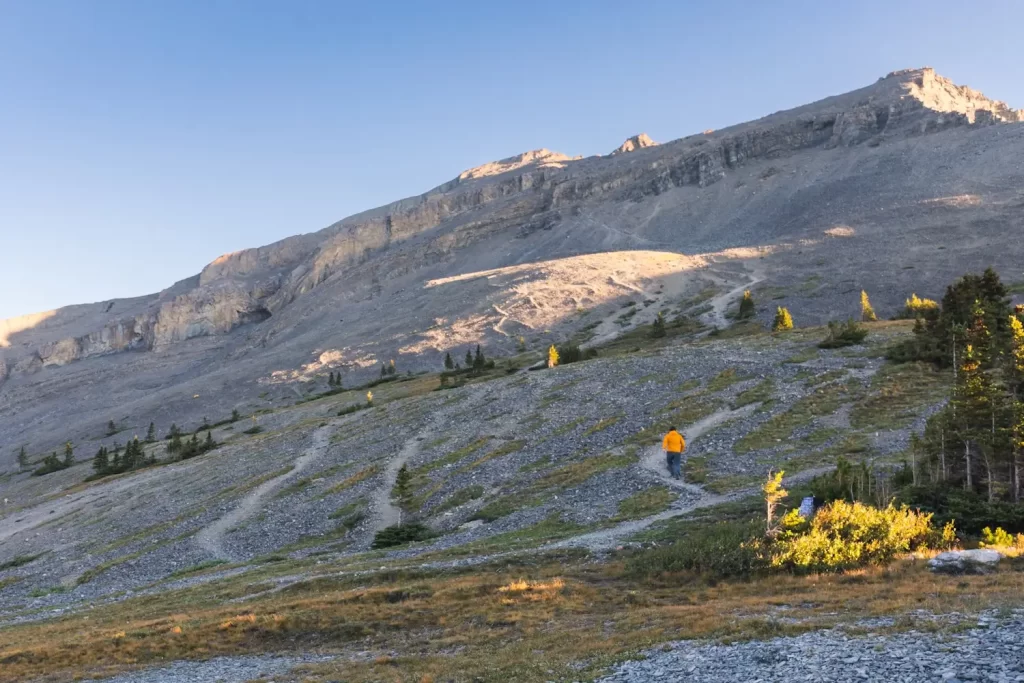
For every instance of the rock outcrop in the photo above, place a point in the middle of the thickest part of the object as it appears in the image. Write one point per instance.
(634, 143)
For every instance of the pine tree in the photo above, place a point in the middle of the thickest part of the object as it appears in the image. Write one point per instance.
(69, 454)
(23, 462)
(174, 446)
(478, 360)
(111, 428)
(173, 431)
(330, 379)
(658, 327)
(867, 313)
(115, 461)
(151, 433)
(783, 320)
(449, 364)
(552, 356)
(101, 461)
(235, 417)
(402, 492)
(1015, 387)
(747, 308)
(391, 367)
(209, 444)
(469, 359)
(383, 371)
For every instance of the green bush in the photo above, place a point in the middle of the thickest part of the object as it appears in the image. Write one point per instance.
(726, 549)
(401, 534)
(971, 511)
(846, 535)
(571, 353)
(849, 333)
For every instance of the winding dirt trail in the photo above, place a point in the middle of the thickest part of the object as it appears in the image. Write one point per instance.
(654, 458)
(720, 303)
(211, 538)
(384, 512)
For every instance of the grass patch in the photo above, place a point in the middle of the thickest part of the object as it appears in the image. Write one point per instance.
(808, 354)
(500, 451)
(897, 394)
(602, 425)
(678, 414)
(758, 394)
(297, 487)
(360, 476)
(196, 568)
(696, 469)
(452, 458)
(645, 503)
(501, 507)
(568, 427)
(725, 379)
(823, 401)
(19, 561)
(580, 471)
(460, 497)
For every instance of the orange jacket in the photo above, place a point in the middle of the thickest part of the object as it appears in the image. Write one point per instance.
(674, 442)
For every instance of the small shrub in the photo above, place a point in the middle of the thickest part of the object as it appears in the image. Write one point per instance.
(783, 320)
(849, 333)
(725, 549)
(571, 353)
(916, 307)
(747, 308)
(400, 534)
(999, 538)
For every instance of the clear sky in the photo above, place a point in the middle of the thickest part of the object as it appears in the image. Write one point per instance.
(140, 140)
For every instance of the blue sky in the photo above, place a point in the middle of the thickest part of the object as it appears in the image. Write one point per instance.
(140, 140)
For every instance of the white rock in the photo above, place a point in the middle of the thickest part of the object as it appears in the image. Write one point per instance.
(965, 562)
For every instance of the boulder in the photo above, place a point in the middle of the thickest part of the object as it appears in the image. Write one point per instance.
(965, 562)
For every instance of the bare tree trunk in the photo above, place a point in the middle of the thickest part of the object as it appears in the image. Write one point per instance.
(913, 465)
(942, 452)
(968, 483)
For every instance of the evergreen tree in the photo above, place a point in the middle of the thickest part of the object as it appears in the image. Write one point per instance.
(173, 431)
(111, 428)
(235, 417)
(151, 433)
(867, 312)
(747, 308)
(552, 356)
(69, 454)
(402, 491)
(391, 367)
(478, 360)
(101, 461)
(23, 462)
(115, 460)
(783, 320)
(1015, 387)
(209, 444)
(383, 371)
(174, 446)
(658, 327)
(449, 364)
(469, 359)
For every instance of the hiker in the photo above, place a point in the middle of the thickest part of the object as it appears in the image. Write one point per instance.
(674, 445)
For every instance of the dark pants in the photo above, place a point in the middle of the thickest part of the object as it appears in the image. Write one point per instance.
(673, 460)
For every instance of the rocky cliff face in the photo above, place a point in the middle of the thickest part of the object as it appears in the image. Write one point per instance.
(524, 194)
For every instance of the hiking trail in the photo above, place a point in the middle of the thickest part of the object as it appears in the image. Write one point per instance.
(211, 537)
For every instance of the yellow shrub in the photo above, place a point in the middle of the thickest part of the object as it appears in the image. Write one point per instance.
(846, 535)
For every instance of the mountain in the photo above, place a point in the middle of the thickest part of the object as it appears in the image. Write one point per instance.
(896, 187)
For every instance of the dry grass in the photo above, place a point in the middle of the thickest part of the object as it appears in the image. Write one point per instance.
(494, 624)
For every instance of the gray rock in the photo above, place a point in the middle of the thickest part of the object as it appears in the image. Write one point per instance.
(965, 562)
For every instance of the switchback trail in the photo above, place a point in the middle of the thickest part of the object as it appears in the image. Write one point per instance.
(211, 538)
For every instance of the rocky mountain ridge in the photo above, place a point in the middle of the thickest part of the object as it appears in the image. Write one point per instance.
(912, 152)
(529, 190)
